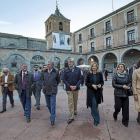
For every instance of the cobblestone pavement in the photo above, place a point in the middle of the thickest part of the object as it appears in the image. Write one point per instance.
(14, 127)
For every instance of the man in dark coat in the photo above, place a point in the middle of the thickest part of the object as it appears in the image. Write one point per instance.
(72, 79)
(51, 80)
(131, 70)
(38, 86)
(105, 74)
(24, 83)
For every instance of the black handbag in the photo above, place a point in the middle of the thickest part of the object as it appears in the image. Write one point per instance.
(130, 92)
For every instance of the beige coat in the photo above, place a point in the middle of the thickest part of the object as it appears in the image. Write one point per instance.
(136, 87)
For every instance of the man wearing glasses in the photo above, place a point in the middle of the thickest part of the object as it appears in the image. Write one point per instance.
(24, 83)
(6, 81)
(72, 79)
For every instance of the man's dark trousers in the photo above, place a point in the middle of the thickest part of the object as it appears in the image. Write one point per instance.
(26, 103)
(6, 92)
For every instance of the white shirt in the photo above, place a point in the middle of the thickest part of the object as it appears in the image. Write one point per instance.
(23, 74)
(6, 79)
(50, 70)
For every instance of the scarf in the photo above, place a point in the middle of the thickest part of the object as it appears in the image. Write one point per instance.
(121, 74)
(72, 68)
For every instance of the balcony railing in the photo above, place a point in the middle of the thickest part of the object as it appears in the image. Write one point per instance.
(131, 20)
(79, 40)
(108, 46)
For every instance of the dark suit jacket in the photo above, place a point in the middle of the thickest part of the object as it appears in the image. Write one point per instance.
(91, 90)
(131, 71)
(39, 80)
(10, 82)
(29, 83)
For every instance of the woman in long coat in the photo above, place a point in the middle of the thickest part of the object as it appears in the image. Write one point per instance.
(136, 90)
(94, 83)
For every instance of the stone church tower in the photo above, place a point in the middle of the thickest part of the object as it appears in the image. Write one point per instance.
(58, 32)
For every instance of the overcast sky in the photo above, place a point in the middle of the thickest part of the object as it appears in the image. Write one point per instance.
(27, 17)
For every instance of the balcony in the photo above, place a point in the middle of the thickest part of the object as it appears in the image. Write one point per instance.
(91, 36)
(108, 46)
(131, 20)
(79, 40)
(131, 42)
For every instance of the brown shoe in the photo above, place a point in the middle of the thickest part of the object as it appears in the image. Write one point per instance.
(28, 120)
(70, 121)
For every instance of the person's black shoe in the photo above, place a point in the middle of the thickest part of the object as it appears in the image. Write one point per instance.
(138, 120)
(28, 120)
(46, 106)
(115, 116)
(12, 105)
(38, 107)
(126, 125)
(75, 113)
(95, 124)
(52, 123)
(70, 121)
(35, 104)
(2, 110)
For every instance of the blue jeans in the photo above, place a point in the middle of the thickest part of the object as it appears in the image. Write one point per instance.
(51, 103)
(94, 111)
(26, 103)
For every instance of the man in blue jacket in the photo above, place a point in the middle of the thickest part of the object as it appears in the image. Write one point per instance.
(72, 79)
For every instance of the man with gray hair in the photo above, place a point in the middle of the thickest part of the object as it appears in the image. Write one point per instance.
(24, 83)
(72, 79)
(51, 80)
(6, 81)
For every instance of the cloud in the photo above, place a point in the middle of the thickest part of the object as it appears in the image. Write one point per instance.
(5, 23)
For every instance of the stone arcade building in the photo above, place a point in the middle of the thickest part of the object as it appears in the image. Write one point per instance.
(110, 40)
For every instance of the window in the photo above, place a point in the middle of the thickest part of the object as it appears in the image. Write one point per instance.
(108, 27)
(14, 65)
(131, 37)
(108, 42)
(50, 25)
(92, 47)
(61, 26)
(47, 28)
(80, 49)
(130, 16)
(92, 32)
(80, 37)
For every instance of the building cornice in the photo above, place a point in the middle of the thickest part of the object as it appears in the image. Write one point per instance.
(111, 14)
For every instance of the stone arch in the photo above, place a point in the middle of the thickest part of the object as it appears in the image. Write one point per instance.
(66, 61)
(94, 57)
(38, 59)
(58, 63)
(13, 61)
(80, 60)
(109, 60)
(128, 56)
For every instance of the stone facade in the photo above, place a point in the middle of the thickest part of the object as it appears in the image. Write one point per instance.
(17, 49)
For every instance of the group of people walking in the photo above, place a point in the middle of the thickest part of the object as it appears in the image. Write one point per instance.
(26, 83)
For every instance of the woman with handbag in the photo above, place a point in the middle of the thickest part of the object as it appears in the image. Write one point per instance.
(136, 90)
(122, 83)
(94, 83)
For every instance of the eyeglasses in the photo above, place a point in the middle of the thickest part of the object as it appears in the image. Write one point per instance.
(25, 66)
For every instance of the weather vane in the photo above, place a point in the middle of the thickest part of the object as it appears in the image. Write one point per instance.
(56, 4)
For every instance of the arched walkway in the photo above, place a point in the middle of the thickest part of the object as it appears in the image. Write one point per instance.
(130, 56)
(93, 58)
(38, 60)
(109, 61)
